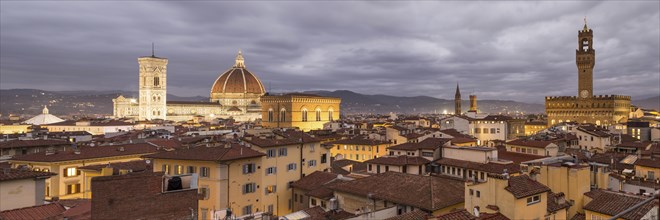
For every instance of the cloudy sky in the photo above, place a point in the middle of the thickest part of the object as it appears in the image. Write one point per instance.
(501, 50)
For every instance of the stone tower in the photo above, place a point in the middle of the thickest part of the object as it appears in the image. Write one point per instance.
(153, 88)
(457, 101)
(473, 103)
(585, 58)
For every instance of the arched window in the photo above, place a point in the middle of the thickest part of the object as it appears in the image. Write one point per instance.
(318, 114)
(330, 113)
(283, 115)
(156, 81)
(304, 114)
(270, 115)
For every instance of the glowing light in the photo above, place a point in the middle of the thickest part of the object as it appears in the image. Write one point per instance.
(444, 111)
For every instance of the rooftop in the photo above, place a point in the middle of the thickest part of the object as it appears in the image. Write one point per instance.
(7, 174)
(232, 152)
(89, 152)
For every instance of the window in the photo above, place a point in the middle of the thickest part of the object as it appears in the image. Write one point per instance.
(387, 168)
(478, 194)
(205, 192)
(204, 213)
(178, 169)
(270, 115)
(156, 81)
(304, 114)
(312, 163)
(271, 170)
(271, 189)
(295, 197)
(313, 201)
(323, 205)
(485, 130)
(471, 192)
(283, 115)
(345, 147)
(291, 166)
(324, 158)
(166, 168)
(204, 172)
(492, 131)
(312, 147)
(330, 112)
(249, 188)
(271, 153)
(249, 168)
(283, 152)
(477, 130)
(369, 167)
(73, 188)
(651, 175)
(318, 114)
(533, 199)
(270, 208)
(427, 154)
(71, 171)
(192, 169)
(247, 210)
(498, 130)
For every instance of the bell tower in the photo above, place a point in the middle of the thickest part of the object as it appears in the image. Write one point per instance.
(457, 101)
(585, 58)
(153, 87)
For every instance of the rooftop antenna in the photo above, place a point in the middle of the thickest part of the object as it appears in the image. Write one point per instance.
(152, 50)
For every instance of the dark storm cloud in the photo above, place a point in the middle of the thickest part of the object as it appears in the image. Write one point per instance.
(502, 50)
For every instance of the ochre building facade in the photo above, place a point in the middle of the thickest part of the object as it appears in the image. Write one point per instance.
(304, 111)
(601, 110)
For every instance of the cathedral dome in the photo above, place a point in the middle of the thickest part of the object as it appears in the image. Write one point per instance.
(238, 80)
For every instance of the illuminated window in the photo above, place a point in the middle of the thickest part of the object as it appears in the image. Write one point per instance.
(270, 115)
(204, 171)
(283, 115)
(271, 189)
(318, 114)
(166, 168)
(205, 192)
(73, 188)
(304, 115)
(71, 171)
(178, 169)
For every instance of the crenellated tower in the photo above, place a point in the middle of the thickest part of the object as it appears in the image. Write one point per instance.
(585, 58)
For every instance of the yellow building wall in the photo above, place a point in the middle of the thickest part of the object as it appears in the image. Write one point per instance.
(493, 193)
(642, 171)
(596, 216)
(532, 129)
(14, 129)
(56, 185)
(349, 151)
(573, 182)
(294, 107)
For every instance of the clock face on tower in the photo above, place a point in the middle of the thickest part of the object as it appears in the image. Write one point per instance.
(584, 93)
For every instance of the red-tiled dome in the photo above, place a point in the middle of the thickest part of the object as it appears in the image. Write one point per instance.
(238, 80)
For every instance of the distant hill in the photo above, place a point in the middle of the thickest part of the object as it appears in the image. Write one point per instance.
(359, 103)
(652, 103)
(31, 101)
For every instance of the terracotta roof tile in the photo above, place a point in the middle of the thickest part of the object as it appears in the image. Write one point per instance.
(338, 166)
(359, 141)
(523, 186)
(655, 163)
(47, 211)
(399, 160)
(7, 174)
(460, 214)
(612, 203)
(88, 152)
(32, 143)
(314, 180)
(317, 212)
(425, 192)
(234, 152)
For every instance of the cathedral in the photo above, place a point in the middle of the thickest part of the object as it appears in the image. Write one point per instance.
(603, 110)
(235, 93)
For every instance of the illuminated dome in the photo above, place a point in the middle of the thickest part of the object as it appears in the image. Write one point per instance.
(237, 80)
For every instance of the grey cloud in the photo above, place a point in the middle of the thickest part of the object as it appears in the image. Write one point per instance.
(499, 50)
